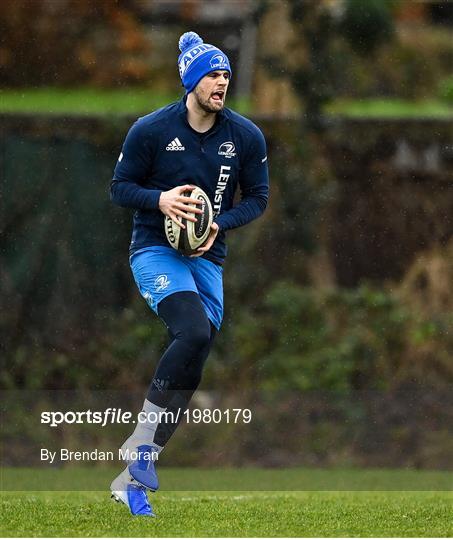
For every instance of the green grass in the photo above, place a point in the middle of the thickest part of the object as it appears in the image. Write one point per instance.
(82, 101)
(90, 101)
(232, 513)
(390, 108)
(137, 101)
(209, 514)
(77, 478)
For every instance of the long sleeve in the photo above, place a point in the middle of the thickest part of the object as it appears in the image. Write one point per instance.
(254, 185)
(132, 169)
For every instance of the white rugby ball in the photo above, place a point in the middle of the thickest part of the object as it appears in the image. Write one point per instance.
(188, 240)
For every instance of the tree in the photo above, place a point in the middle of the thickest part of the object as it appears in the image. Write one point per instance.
(71, 42)
(315, 51)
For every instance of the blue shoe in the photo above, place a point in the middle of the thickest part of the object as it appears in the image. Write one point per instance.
(125, 490)
(140, 460)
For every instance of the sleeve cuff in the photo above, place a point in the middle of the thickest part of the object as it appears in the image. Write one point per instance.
(154, 196)
(220, 223)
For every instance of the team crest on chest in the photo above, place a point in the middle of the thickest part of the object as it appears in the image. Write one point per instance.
(227, 149)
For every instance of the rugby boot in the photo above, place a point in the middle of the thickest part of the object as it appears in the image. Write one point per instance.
(129, 492)
(140, 459)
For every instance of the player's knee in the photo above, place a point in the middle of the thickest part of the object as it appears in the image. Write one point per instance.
(185, 316)
(198, 337)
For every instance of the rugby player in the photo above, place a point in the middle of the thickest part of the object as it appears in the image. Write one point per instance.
(193, 142)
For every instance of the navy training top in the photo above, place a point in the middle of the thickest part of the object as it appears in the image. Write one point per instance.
(162, 151)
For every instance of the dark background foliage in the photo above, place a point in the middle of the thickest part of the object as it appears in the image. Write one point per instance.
(339, 301)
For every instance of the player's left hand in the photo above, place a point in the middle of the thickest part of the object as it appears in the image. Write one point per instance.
(210, 240)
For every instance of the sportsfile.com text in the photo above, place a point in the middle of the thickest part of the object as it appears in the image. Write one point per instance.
(118, 416)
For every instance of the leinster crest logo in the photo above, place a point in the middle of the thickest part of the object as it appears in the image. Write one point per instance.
(161, 283)
(219, 62)
(227, 149)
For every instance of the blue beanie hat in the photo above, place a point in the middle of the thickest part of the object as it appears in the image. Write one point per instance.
(197, 59)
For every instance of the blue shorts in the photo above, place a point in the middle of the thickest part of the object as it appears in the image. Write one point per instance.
(160, 271)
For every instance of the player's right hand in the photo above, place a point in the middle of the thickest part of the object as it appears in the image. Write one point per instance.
(173, 204)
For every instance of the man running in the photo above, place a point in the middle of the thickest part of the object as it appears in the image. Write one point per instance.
(193, 142)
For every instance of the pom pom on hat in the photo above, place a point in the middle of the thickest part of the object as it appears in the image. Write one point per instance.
(189, 40)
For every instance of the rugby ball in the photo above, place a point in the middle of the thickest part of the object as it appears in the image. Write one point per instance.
(188, 240)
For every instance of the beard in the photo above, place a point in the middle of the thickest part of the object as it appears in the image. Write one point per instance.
(205, 104)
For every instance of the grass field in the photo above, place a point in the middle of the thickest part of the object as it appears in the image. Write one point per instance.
(390, 108)
(141, 100)
(91, 101)
(233, 513)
